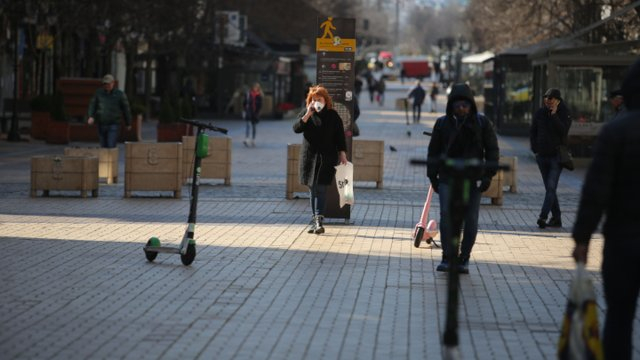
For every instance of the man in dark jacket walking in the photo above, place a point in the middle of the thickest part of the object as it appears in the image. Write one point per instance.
(417, 95)
(105, 108)
(549, 129)
(462, 133)
(611, 187)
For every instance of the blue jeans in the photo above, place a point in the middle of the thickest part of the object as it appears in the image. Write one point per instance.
(318, 195)
(470, 220)
(251, 129)
(108, 135)
(550, 170)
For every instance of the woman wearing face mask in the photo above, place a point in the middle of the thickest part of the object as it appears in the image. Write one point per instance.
(323, 147)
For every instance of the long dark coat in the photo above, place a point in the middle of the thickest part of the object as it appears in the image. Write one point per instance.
(323, 138)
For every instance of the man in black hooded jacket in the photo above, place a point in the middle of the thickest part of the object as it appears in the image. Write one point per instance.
(611, 187)
(462, 133)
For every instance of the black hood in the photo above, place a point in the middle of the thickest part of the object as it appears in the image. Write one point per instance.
(461, 92)
(631, 87)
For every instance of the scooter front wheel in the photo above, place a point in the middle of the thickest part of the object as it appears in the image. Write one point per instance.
(418, 236)
(151, 255)
(189, 256)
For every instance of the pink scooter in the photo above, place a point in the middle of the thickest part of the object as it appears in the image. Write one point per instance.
(426, 229)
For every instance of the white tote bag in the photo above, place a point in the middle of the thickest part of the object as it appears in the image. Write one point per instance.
(344, 182)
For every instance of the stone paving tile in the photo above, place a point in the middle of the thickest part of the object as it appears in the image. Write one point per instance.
(74, 282)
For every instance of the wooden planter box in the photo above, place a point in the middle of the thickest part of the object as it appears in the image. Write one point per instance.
(368, 161)
(58, 132)
(293, 180)
(495, 191)
(153, 167)
(107, 161)
(173, 132)
(64, 173)
(511, 176)
(83, 132)
(216, 166)
(39, 123)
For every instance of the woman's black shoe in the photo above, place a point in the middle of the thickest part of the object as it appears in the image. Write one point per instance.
(542, 223)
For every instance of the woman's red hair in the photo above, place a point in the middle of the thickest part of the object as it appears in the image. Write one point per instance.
(320, 90)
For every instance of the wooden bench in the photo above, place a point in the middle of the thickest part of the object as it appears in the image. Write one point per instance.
(71, 173)
(495, 191)
(511, 176)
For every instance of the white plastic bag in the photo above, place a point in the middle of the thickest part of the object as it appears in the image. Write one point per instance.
(344, 182)
(579, 337)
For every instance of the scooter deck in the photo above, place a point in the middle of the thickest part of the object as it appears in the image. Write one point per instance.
(163, 249)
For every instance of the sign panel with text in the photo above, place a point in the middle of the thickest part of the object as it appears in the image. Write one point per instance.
(335, 48)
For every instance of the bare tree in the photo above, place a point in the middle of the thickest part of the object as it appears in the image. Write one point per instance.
(499, 25)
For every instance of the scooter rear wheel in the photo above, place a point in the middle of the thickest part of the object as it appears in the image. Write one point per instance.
(418, 237)
(189, 256)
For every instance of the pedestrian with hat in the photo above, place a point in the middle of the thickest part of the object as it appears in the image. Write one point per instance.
(550, 129)
(106, 108)
(617, 102)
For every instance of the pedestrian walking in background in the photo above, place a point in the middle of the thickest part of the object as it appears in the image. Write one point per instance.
(381, 86)
(417, 95)
(611, 188)
(106, 108)
(433, 94)
(617, 102)
(371, 84)
(358, 86)
(462, 133)
(323, 147)
(252, 106)
(549, 129)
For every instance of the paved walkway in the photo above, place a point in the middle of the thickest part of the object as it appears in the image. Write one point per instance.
(74, 282)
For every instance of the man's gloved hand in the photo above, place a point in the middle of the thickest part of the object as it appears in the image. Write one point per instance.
(434, 184)
(485, 182)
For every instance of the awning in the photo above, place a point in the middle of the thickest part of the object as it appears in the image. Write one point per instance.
(477, 58)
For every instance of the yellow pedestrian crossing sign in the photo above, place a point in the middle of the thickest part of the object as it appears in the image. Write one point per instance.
(336, 35)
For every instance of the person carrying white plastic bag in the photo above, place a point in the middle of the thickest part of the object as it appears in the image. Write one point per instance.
(580, 335)
(344, 182)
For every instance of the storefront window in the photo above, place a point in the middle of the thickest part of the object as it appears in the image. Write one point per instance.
(518, 94)
(581, 89)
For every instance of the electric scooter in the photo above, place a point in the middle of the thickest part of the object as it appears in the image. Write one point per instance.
(426, 229)
(187, 248)
(460, 172)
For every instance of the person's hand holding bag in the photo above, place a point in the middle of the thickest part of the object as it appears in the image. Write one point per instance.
(485, 183)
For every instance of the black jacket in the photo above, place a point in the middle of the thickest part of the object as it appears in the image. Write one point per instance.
(548, 131)
(418, 94)
(611, 183)
(473, 137)
(323, 138)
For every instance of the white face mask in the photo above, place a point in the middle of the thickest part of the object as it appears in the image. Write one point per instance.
(318, 105)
